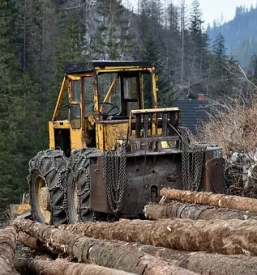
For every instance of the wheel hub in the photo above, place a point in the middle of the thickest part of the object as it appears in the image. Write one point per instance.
(43, 199)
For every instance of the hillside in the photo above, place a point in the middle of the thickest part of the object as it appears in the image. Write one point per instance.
(240, 34)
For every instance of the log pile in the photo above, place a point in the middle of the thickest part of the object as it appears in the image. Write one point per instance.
(194, 211)
(7, 251)
(218, 200)
(180, 238)
(125, 251)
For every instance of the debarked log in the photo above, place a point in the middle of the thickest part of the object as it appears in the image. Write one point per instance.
(46, 266)
(206, 198)
(219, 236)
(194, 211)
(7, 251)
(110, 254)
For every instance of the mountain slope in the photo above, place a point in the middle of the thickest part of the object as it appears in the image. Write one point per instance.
(240, 34)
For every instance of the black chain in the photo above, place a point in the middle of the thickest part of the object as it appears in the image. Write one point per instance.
(192, 162)
(114, 173)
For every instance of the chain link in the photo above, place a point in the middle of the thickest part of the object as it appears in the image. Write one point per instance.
(80, 166)
(192, 162)
(114, 173)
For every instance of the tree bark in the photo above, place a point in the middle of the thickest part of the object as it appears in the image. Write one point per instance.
(219, 236)
(110, 254)
(46, 266)
(34, 243)
(198, 262)
(195, 212)
(204, 263)
(7, 251)
(219, 200)
(87, 250)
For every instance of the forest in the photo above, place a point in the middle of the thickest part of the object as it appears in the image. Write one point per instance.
(240, 34)
(38, 37)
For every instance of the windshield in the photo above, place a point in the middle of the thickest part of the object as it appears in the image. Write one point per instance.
(105, 95)
(89, 95)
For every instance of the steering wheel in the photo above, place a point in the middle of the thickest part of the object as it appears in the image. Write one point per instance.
(113, 111)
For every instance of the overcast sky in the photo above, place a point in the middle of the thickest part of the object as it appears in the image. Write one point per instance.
(212, 9)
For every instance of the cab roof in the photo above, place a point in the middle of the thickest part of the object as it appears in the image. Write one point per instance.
(90, 65)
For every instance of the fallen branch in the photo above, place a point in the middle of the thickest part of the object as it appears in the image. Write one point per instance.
(219, 200)
(195, 212)
(110, 254)
(7, 251)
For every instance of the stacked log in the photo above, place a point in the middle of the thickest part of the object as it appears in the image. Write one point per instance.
(46, 266)
(194, 211)
(99, 252)
(218, 236)
(127, 256)
(182, 238)
(206, 198)
(7, 251)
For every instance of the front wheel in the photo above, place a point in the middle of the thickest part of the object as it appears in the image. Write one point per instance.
(48, 184)
(78, 189)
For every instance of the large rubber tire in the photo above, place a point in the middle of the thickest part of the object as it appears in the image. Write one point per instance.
(50, 167)
(78, 189)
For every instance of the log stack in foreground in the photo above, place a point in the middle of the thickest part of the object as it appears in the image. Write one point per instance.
(218, 236)
(88, 250)
(192, 239)
(146, 259)
(7, 251)
(46, 266)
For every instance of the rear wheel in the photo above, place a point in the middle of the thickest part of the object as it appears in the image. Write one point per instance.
(48, 184)
(78, 190)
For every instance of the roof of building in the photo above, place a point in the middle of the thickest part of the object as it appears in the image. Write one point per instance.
(193, 113)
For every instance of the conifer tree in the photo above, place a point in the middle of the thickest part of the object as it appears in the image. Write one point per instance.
(8, 76)
(112, 39)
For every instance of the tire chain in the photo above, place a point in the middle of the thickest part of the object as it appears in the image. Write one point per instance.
(114, 173)
(77, 156)
(192, 162)
(36, 164)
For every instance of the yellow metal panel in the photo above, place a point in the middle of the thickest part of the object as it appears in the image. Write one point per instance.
(78, 76)
(61, 124)
(59, 100)
(51, 135)
(114, 132)
(125, 69)
(76, 139)
(159, 110)
(100, 136)
(142, 91)
(154, 90)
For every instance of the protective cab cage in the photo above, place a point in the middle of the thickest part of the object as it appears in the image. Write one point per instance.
(107, 105)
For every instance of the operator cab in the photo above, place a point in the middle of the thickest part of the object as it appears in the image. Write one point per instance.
(101, 98)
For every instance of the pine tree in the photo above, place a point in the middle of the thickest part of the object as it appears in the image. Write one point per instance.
(8, 77)
(196, 49)
(112, 39)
